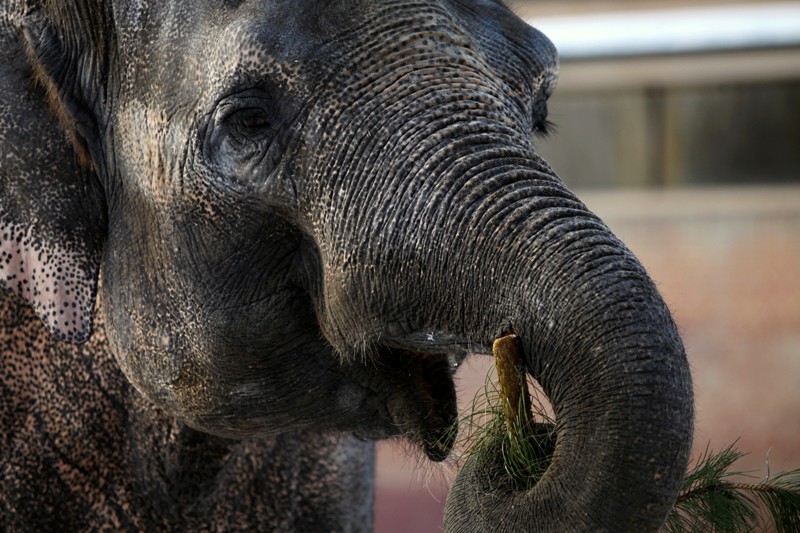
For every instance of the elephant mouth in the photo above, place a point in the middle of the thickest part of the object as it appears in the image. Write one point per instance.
(420, 397)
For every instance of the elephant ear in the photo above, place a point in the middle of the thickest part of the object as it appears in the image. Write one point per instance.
(52, 215)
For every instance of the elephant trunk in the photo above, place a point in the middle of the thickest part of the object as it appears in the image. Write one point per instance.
(599, 339)
(443, 230)
(507, 247)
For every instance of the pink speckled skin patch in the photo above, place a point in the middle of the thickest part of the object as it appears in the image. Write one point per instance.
(50, 278)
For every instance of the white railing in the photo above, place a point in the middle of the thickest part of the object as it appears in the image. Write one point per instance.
(674, 31)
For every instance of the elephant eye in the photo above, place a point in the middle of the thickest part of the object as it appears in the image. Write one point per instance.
(239, 134)
(249, 123)
(247, 118)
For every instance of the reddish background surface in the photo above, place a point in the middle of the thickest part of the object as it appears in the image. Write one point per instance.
(728, 263)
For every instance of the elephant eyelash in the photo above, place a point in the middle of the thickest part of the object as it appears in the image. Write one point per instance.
(250, 122)
(544, 128)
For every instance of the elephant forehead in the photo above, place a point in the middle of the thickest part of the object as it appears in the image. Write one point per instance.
(165, 48)
(172, 47)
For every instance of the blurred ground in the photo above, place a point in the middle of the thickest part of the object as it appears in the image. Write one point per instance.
(727, 261)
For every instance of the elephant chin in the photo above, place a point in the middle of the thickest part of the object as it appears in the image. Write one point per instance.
(420, 397)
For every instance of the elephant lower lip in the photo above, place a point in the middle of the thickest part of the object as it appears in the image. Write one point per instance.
(438, 451)
(422, 403)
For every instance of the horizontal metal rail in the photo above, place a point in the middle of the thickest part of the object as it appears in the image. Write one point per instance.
(718, 28)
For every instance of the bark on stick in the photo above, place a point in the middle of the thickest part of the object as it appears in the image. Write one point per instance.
(513, 385)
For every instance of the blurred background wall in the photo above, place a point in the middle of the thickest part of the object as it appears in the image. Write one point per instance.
(689, 148)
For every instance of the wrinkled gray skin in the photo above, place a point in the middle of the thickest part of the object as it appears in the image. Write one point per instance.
(305, 214)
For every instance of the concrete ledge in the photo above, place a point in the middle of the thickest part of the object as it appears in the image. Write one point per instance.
(680, 70)
(674, 45)
(693, 204)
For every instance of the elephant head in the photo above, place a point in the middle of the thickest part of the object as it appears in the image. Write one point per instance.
(307, 213)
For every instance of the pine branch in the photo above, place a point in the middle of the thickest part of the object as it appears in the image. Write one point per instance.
(709, 501)
(508, 416)
(527, 447)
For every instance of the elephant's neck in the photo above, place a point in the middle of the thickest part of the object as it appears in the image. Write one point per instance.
(79, 428)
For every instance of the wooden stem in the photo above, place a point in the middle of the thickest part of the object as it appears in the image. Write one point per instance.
(513, 385)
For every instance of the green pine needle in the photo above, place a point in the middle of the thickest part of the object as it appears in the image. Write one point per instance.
(709, 500)
(526, 448)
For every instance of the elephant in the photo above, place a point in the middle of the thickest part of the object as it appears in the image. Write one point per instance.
(242, 240)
